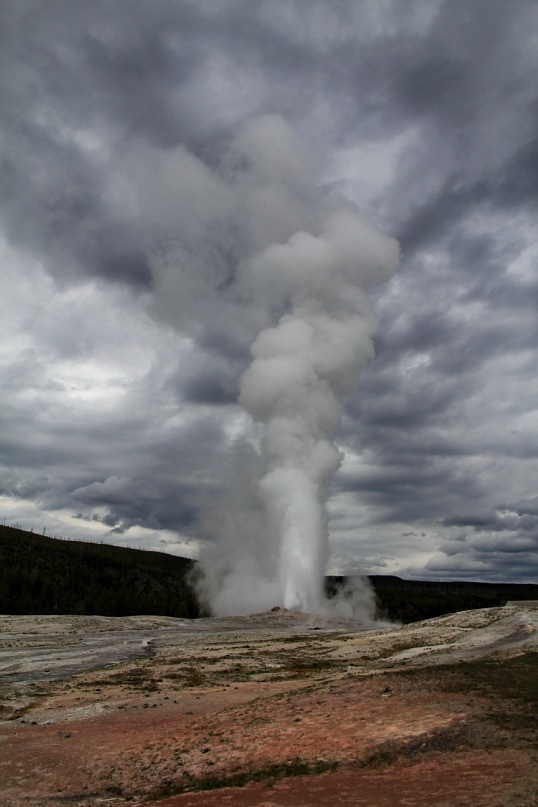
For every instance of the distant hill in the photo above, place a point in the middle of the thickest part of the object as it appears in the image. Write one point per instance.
(42, 575)
(412, 600)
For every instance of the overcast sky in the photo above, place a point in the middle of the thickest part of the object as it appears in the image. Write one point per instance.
(127, 215)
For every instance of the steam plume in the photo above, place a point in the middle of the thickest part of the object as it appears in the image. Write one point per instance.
(302, 368)
(307, 261)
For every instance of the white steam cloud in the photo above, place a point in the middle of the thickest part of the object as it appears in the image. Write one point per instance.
(274, 262)
(302, 368)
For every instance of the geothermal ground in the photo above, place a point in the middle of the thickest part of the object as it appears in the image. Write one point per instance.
(269, 710)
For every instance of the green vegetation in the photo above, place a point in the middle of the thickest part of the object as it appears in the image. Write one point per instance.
(509, 718)
(448, 739)
(41, 575)
(515, 680)
(267, 773)
(412, 600)
(138, 678)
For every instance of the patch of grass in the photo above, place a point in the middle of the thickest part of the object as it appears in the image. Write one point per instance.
(30, 698)
(139, 678)
(299, 638)
(304, 665)
(188, 676)
(443, 740)
(398, 647)
(509, 684)
(193, 677)
(514, 680)
(240, 778)
(20, 711)
(238, 673)
(179, 661)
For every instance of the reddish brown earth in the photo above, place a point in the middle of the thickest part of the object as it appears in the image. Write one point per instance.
(372, 710)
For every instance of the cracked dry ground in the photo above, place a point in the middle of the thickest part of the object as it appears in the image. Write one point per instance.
(314, 731)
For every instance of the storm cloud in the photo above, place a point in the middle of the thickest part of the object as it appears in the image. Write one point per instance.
(152, 149)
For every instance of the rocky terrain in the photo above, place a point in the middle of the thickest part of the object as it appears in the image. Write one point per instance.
(272, 709)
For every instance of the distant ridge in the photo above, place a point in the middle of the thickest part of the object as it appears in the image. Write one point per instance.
(43, 575)
(412, 600)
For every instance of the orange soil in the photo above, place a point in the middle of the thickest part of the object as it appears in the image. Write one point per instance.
(86, 745)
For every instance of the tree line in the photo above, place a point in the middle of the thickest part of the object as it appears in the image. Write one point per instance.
(44, 575)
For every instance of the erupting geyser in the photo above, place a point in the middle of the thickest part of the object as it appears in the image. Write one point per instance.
(303, 368)
(308, 281)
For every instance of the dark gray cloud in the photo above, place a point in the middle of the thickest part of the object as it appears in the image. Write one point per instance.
(128, 214)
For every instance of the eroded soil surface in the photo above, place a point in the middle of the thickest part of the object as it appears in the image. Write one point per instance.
(268, 710)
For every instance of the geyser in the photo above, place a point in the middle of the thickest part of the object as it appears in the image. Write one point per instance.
(302, 369)
(306, 262)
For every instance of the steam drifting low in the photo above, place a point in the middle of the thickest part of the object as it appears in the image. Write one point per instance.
(311, 260)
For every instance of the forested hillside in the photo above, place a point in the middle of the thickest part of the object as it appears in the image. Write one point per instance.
(412, 600)
(41, 575)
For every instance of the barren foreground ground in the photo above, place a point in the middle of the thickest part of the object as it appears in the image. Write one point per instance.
(274, 709)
